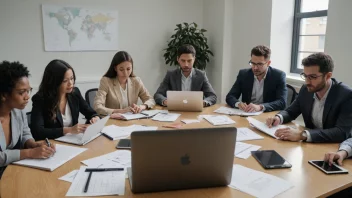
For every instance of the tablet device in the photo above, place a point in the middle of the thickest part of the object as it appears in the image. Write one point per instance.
(270, 159)
(124, 144)
(326, 168)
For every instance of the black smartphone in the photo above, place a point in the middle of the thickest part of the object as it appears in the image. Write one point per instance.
(270, 159)
(327, 169)
(124, 144)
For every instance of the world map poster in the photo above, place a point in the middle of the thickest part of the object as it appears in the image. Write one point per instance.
(68, 28)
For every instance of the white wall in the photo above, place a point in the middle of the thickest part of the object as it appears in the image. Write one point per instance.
(144, 28)
(338, 41)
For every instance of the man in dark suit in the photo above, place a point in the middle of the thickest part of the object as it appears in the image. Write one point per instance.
(262, 87)
(186, 78)
(325, 103)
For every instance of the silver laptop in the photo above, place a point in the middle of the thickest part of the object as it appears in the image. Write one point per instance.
(181, 159)
(185, 100)
(92, 132)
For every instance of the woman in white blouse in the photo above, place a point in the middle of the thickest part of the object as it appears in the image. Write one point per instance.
(120, 89)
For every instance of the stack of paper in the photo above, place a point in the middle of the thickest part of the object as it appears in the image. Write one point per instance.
(101, 183)
(243, 150)
(244, 134)
(117, 132)
(166, 117)
(218, 119)
(132, 116)
(264, 128)
(119, 158)
(62, 155)
(231, 111)
(151, 113)
(257, 183)
(190, 121)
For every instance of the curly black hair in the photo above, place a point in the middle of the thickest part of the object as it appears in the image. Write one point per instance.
(10, 73)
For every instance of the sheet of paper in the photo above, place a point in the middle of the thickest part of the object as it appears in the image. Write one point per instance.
(257, 183)
(63, 154)
(264, 128)
(232, 111)
(132, 116)
(101, 183)
(169, 117)
(116, 132)
(218, 119)
(69, 177)
(151, 113)
(244, 134)
(243, 150)
(190, 121)
(119, 158)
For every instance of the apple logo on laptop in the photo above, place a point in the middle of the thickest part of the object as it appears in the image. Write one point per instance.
(185, 101)
(185, 160)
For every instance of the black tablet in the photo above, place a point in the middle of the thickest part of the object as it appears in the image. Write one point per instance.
(326, 168)
(270, 159)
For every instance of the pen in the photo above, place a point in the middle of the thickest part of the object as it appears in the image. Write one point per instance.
(103, 169)
(47, 142)
(87, 183)
(110, 138)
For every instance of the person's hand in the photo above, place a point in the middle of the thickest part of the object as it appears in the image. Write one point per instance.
(289, 134)
(116, 116)
(41, 152)
(273, 121)
(43, 143)
(242, 106)
(339, 156)
(79, 128)
(253, 108)
(165, 103)
(138, 108)
(94, 119)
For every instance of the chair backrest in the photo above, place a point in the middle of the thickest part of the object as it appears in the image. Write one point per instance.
(291, 94)
(29, 118)
(90, 95)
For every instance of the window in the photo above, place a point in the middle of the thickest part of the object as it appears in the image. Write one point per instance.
(308, 31)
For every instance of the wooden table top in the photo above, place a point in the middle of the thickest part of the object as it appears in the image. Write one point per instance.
(308, 181)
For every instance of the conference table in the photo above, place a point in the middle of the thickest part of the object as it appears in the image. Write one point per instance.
(308, 181)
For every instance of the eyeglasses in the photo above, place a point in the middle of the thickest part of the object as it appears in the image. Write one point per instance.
(25, 91)
(310, 77)
(259, 65)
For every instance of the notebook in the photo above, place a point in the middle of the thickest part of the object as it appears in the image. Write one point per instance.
(262, 127)
(92, 132)
(63, 154)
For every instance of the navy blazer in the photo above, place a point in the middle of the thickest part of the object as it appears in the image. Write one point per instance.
(274, 91)
(42, 126)
(337, 115)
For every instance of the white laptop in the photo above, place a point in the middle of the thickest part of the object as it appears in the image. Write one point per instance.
(92, 132)
(185, 100)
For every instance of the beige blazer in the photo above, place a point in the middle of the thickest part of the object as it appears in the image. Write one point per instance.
(109, 97)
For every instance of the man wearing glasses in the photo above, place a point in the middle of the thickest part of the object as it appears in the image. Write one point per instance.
(262, 87)
(325, 103)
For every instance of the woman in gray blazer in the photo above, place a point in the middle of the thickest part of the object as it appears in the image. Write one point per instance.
(16, 141)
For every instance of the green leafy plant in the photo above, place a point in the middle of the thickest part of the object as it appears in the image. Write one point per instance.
(188, 34)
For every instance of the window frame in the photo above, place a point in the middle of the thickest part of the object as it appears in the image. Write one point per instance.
(298, 16)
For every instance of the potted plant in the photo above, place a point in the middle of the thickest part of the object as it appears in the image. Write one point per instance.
(188, 34)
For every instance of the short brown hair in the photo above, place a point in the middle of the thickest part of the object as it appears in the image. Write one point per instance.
(261, 50)
(186, 49)
(323, 60)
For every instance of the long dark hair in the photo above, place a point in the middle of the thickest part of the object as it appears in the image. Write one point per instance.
(54, 74)
(119, 57)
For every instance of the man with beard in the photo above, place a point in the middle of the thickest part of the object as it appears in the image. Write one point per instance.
(262, 87)
(325, 103)
(186, 78)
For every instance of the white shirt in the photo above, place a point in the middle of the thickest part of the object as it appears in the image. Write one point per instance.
(186, 81)
(67, 118)
(257, 91)
(124, 103)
